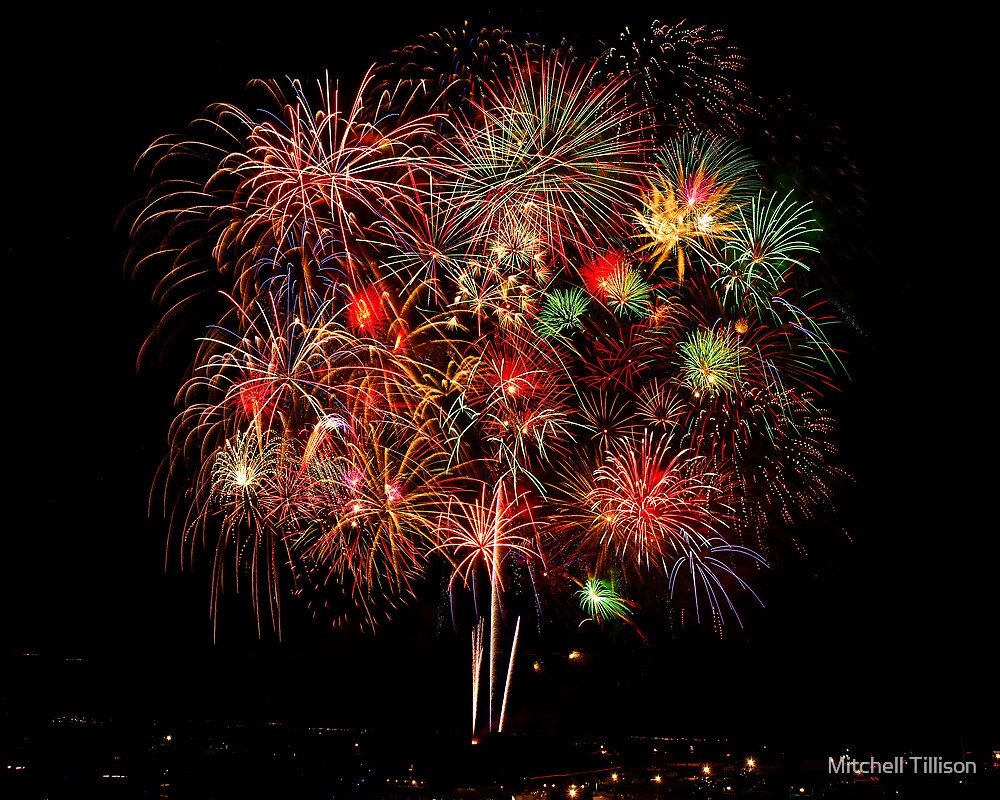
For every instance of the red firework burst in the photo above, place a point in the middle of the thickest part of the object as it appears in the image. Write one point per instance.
(365, 314)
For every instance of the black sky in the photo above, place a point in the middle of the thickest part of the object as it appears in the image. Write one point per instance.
(891, 637)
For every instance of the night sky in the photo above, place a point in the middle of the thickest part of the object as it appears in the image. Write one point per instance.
(888, 637)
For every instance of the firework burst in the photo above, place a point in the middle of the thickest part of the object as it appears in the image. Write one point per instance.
(600, 600)
(548, 149)
(689, 78)
(537, 328)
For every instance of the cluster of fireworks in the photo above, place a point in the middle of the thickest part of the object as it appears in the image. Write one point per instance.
(532, 326)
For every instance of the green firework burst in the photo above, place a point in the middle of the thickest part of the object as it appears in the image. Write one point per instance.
(711, 362)
(761, 251)
(628, 293)
(600, 600)
(562, 311)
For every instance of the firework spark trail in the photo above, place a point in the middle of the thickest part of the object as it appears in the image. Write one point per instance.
(495, 621)
(510, 674)
(477, 668)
